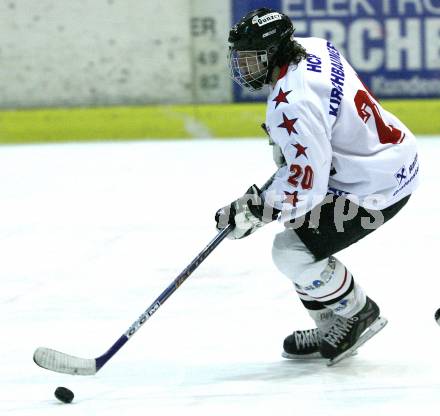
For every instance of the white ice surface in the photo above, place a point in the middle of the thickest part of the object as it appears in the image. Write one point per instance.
(90, 235)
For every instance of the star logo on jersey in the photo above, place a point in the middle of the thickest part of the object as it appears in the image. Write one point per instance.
(300, 150)
(281, 97)
(288, 124)
(292, 198)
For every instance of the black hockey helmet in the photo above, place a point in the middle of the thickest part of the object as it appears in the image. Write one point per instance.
(257, 43)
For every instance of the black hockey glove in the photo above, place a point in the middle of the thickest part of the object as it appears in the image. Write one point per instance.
(247, 213)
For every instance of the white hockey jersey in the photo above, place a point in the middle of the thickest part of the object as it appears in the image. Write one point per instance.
(335, 137)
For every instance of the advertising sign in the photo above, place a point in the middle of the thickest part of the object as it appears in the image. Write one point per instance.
(394, 45)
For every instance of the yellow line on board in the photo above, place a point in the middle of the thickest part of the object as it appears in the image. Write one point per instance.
(172, 122)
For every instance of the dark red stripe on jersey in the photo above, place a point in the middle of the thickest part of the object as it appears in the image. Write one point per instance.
(283, 71)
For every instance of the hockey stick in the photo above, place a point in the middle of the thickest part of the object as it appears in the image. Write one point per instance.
(63, 363)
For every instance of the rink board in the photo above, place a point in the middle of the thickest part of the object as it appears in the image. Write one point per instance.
(165, 122)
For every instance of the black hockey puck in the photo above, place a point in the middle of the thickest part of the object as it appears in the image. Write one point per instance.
(64, 395)
(437, 316)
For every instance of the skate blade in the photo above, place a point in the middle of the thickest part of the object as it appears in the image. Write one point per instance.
(313, 356)
(369, 333)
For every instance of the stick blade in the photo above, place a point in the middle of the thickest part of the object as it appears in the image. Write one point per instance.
(63, 363)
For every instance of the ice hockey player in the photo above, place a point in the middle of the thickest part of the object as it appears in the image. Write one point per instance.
(345, 166)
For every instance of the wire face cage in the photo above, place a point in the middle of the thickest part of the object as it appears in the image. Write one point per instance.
(248, 68)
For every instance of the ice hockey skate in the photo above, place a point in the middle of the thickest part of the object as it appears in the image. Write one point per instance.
(302, 344)
(305, 344)
(346, 335)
